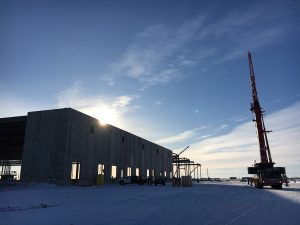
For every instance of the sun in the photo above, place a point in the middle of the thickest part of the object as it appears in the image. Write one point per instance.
(105, 115)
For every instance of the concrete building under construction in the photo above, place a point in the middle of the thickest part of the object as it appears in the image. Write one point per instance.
(65, 146)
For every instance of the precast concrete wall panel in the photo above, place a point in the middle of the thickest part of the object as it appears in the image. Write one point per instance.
(44, 146)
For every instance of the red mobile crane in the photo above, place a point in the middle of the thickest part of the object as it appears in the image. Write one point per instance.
(264, 173)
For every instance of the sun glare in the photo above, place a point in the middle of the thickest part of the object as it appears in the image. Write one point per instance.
(102, 123)
(105, 115)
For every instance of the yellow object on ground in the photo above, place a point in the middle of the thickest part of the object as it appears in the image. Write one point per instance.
(100, 179)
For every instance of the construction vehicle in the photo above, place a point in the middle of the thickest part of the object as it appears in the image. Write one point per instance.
(264, 173)
(132, 180)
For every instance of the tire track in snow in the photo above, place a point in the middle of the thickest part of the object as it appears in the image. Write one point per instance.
(233, 214)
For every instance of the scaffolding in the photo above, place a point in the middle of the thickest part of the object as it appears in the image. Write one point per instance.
(184, 168)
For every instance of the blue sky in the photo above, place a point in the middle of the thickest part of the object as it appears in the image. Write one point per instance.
(173, 72)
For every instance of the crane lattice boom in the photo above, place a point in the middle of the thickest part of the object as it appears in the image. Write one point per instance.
(265, 154)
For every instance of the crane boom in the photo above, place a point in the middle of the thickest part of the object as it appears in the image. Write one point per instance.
(265, 154)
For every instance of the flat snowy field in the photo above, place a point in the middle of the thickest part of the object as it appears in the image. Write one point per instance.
(204, 203)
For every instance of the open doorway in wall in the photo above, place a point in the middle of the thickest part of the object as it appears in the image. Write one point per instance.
(10, 169)
(100, 174)
(128, 171)
(113, 173)
(75, 171)
(148, 172)
(100, 169)
(137, 171)
(12, 136)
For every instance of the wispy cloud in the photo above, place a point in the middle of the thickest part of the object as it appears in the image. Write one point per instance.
(122, 101)
(240, 31)
(150, 59)
(277, 101)
(177, 138)
(239, 148)
(161, 52)
(204, 137)
(221, 127)
(107, 110)
(241, 119)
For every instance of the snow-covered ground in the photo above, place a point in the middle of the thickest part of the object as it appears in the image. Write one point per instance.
(204, 203)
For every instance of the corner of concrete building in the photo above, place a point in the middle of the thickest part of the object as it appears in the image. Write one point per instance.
(45, 145)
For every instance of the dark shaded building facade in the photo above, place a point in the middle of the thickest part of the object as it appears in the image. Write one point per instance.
(62, 145)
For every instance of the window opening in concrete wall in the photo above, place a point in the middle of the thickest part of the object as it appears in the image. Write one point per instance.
(171, 174)
(128, 171)
(148, 173)
(123, 139)
(157, 151)
(113, 172)
(92, 129)
(122, 173)
(75, 172)
(100, 169)
(165, 173)
(152, 173)
(137, 171)
(143, 146)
